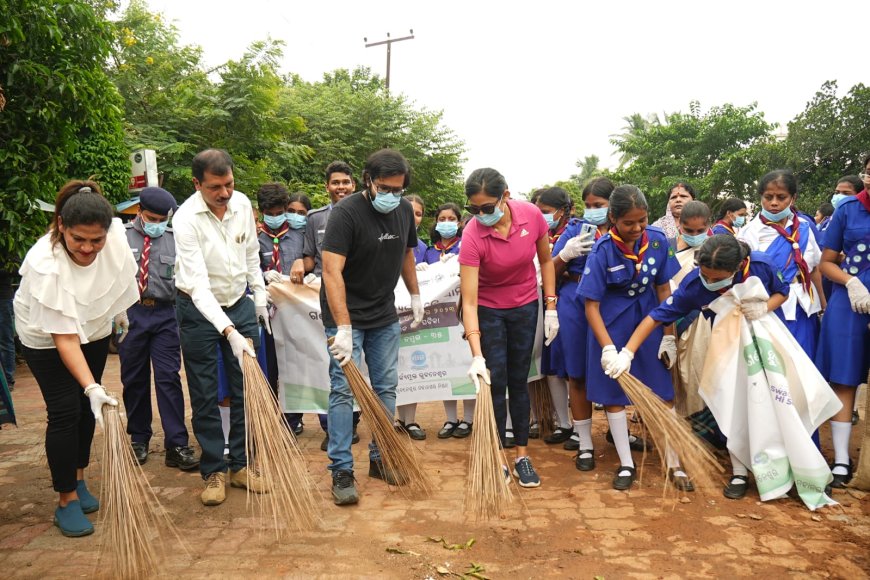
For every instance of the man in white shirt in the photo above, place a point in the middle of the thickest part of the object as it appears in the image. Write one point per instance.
(217, 260)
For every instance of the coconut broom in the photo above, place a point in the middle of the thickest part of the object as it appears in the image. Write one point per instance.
(542, 404)
(132, 520)
(487, 493)
(666, 429)
(397, 454)
(274, 454)
(862, 474)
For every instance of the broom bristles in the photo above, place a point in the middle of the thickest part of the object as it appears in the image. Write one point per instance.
(487, 494)
(862, 473)
(131, 518)
(542, 403)
(397, 453)
(290, 499)
(668, 430)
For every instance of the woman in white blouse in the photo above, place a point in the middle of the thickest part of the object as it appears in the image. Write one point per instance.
(74, 281)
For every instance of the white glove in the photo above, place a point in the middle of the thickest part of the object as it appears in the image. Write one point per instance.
(576, 247)
(753, 310)
(122, 326)
(447, 257)
(273, 277)
(668, 350)
(417, 310)
(478, 371)
(342, 345)
(422, 266)
(551, 326)
(859, 297)
(263, 314)
(97, 394)
(608, 356)
(239, 345)
(622, 364)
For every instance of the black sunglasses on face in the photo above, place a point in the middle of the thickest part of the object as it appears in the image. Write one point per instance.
(485, 209)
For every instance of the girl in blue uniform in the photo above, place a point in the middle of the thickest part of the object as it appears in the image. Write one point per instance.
(625, 277)
(569, 259)
(732, 217)
(843, 355)
(723, 262)
(446, 233)
(419, 211)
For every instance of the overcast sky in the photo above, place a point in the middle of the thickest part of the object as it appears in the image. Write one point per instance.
(533, 86)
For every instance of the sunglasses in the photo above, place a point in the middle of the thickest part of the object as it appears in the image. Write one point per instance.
(484, 209)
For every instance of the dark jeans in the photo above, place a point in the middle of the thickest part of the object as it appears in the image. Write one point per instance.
(507, 336)
(198, 340)
(70, 420)
(7, 341)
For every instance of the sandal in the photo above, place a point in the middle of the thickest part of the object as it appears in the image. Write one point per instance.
(447, 430)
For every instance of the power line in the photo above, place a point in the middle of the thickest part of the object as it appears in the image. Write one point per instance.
(389, 42)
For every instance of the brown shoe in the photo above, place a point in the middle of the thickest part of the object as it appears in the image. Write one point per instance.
(248, 479)
(215, 489)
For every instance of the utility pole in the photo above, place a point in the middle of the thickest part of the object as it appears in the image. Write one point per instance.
(389, 42)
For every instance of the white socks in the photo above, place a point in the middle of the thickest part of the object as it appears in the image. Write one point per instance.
(468, 406)
(840, 433)
(559, 394)
(619, 429)
(671, 457)
(737, 468)
(225, 423)
(583, 429)
(450, 409)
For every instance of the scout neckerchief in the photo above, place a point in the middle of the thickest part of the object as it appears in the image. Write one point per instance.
(628, 252)
(554, 237)
(276, 238)
(864, 198)
(725, 225)
(444, 248)
(794, 238)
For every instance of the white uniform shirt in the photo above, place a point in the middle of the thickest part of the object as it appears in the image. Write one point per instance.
(216, 259)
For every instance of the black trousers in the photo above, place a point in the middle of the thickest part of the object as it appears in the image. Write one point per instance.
(70, 421)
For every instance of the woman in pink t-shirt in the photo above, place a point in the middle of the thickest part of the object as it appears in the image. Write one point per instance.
(500, 300)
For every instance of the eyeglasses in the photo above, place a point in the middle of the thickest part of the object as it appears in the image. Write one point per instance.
(485, 209)
(396, 191)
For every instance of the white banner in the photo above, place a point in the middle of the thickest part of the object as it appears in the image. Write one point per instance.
(433, 358)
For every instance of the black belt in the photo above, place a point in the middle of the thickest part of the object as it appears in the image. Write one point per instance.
(186, 296)
(151, 302)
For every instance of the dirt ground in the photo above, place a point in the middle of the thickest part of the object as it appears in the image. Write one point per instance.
(573, 526)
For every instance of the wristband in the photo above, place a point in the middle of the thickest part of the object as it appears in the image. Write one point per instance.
(470, 333)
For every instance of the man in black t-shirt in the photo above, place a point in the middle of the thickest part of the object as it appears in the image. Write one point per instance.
(368, 244)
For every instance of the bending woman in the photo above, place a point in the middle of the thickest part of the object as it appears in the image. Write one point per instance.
(74, 281)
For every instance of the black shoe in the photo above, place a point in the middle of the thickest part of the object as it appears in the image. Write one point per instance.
(681, 482)
(639, 444)
(343, 488)
(855, 417)
(182, 457)
(325, 444)
(585, 463)
(840, 481)
(509, 442)
(378, 470)
(415, 432)
(559, 435)
(447, 430)
(355, 439)
(534, 431)
(623, 482)
(736, 490)
(140, 452)
(463, 430)
(572, 444)
(299, 428)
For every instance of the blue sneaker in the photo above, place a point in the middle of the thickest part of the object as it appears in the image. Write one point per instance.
(89, 503)
(526, 473)
(72, 521)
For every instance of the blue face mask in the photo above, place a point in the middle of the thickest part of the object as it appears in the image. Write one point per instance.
(776, 217)
(550, 218)
(838, 199)
(154, 230)
(274, 222)
(447, 229)
(694, 241)
(386, 202)
(739, 221)
(716, 286)
(490, 219)
(296, 221)
(596, 215)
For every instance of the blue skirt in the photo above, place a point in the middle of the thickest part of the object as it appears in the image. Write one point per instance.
(843, 354)
(223, 381)
(646, 365)
(573, 330)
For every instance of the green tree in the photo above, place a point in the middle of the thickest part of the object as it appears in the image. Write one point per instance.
(588, 169)
(827, 141)
(62, 116)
